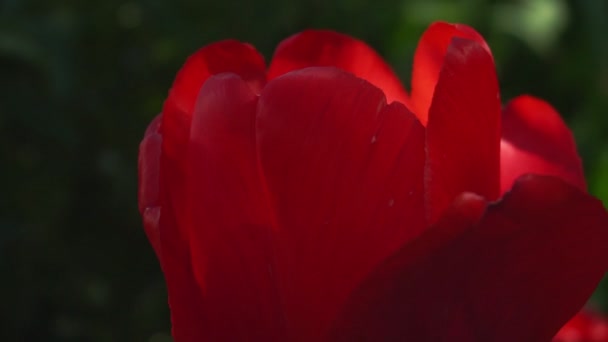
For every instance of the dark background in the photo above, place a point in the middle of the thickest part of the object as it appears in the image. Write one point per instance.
(80, 80)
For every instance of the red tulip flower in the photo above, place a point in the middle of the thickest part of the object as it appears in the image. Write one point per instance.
(316, 200)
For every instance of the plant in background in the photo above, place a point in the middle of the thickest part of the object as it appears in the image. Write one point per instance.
(316, 200)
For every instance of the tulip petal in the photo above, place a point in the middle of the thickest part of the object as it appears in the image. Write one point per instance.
(172, 221)
(188, 318)
(518, 274)
(225, 56)
(327, 48)
(184, 297)
(429, 58)
(231, 222)
(345, 174)
(463, 132)
(536, 140)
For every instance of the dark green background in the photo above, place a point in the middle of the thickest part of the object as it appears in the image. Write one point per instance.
(81, 79)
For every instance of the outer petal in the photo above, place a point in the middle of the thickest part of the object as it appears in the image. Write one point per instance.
(463, 132)
(174, 224)
(344, 171)
(328, 48)
(536, 140)
(188, 317)
(232, 224)
(429, 59)
(225, 56)
(586, 326)
(184, 297)
(517, 275)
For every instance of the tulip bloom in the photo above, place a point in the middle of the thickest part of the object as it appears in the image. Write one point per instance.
(317, 200)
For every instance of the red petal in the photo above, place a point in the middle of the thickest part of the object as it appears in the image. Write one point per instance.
(328, 48)
(188, 319)
(232, 228)
(518, 274)
(586, 326)
(536, 140)
(344, 171)
(184, 296)
(429, 59)
(463, 132)
(225, 56)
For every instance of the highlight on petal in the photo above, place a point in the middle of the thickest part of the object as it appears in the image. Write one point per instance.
(327, 48)
(586, 326)
(232, 228)
(536, 140)
(149, 182)
(345, 174)
(490, 280)
(463, 131)
(429, 58)
(149, 165)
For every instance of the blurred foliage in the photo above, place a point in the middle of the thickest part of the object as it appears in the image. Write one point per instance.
(81, 79)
